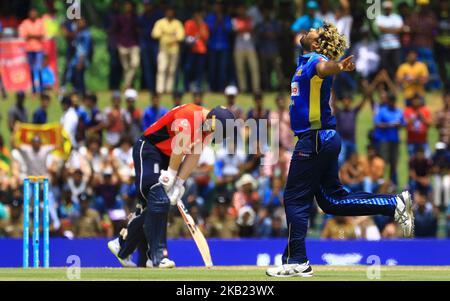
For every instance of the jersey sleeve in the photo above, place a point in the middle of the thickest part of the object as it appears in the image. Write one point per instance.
(310, 67)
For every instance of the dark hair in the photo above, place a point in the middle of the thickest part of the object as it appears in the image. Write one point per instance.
(45, 97)
(91, 96)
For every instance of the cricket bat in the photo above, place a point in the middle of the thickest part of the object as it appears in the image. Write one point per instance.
(197, 235)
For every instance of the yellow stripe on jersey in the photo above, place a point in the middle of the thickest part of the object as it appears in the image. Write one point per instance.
(314, 102)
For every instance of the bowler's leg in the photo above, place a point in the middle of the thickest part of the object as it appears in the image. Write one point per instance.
(334, 199)
(301, 185)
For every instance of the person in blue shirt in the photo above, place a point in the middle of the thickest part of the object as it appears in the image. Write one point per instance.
(81, 59)
(219, 48)
(154, 112)
(388, 122)
(47, 74)
(313, 171)
(309, 20)
(40, 115)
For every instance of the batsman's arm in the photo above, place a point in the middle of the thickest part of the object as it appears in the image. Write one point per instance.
(190, 162)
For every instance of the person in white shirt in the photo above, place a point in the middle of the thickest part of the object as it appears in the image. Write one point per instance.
(69, 120)
(390, 26)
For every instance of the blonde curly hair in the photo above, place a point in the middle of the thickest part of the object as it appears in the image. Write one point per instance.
(332, 43)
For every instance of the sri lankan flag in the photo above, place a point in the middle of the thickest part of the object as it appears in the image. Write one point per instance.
(50, 134)
(5, 162)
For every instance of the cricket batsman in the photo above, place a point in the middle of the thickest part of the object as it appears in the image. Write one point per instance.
(164, 157)
(313, 171)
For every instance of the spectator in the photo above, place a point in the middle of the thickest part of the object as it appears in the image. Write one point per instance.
(87, 224)
(273, 194)
(126, 28)
(123, 156)
(246, 194)
(197, 34)
(177, 99)
(170, 32)
(267, 34)
(197, 98)
(221, 223)
(339, 227)
(343, 20)
(420, 172)
(35, 157)
(346, 118)
(365, 228)
(69, 28)
(281, 116)
(258, 113)
(423, 26)
(107, 191)
(352, 173)
(133, 115)
(286, 36)
(154, 112)
(388, 121)
(47, 75)
(366, 54)
(78, 184)
(425, 217)
(442, 119)
(325, 13)
(229, 159)
(12, 227)
(441, 175)
(418, 119)
(17, 113)
(374, 170)
(246, 222)
(40, 115)
(390, 26)
(231, 93)
(33, 31)
(413, 76)
(115, 67)
(94, 118)
(219, 47)
(82, 56)
(114, 123)
(69, 119)
(148, 45)
(309, 20)
(442, 40)
(244, 51)
(448, 221)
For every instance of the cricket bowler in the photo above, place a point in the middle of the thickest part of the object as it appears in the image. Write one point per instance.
(164, 157)
(313, 171)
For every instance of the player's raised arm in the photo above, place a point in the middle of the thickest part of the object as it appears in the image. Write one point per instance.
(327, 68)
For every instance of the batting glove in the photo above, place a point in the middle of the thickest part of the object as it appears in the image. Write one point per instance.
(177, 191)
(167, 178)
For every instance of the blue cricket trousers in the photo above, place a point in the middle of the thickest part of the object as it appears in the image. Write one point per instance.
(149, 225)
(313, 173)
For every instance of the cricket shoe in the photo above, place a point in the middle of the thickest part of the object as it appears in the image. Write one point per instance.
(165, 263)
(291, 270)
(404, 214)
(114, 247)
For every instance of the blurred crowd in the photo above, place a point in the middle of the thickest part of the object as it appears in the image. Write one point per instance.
(233, 48)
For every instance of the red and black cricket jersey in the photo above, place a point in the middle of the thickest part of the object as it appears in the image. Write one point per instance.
(186, 118)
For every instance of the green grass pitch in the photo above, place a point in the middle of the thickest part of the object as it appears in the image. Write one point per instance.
(242, 273)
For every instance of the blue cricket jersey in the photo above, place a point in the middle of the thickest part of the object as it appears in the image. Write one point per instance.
(310, 96)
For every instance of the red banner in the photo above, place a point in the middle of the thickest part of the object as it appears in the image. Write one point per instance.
(14, 68)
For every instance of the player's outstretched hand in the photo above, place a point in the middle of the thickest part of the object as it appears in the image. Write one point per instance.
(347, 64)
